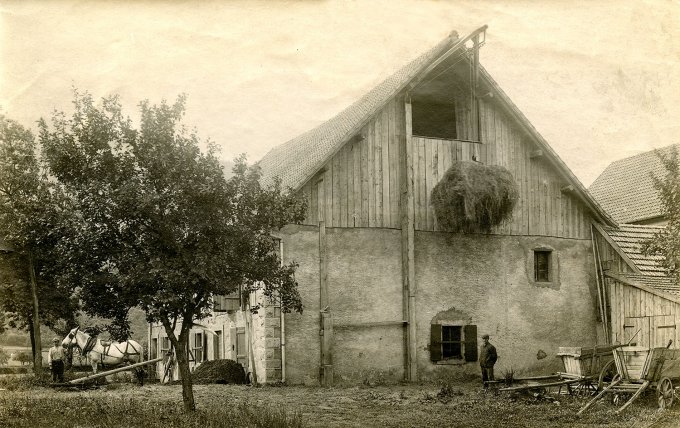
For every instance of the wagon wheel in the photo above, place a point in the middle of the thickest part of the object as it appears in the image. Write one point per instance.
(664, 392)
(584, 389)
(607, 375)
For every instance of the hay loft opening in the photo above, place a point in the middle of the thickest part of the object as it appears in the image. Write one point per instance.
(472, 197)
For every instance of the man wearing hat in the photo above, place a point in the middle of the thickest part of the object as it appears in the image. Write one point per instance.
(487, 359)
(55, 358)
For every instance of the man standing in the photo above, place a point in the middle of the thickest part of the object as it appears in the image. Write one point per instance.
(487, 359)
(55, 358)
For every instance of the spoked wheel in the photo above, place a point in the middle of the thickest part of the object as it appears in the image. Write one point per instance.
(584, 389)
(664, 393)
(607, 375)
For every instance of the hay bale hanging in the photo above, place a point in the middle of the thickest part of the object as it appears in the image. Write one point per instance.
(472, 197)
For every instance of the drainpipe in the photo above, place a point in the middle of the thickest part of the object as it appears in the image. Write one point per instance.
(283, 327)
(148, 342)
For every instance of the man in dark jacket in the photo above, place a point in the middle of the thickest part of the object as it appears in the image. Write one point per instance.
(487, 359)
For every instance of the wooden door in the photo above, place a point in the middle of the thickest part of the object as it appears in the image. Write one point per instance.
(636, 330)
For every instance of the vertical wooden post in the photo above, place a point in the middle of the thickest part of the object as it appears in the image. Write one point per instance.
(326, 320)
(37, 347)
(475, 116)
(407, 246)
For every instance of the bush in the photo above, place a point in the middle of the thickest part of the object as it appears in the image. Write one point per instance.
(219, 371)
(13, 370)
(24, 358)
(25, 382)
(472, 197)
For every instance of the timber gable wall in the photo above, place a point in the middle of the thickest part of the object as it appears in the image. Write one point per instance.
(360, 187)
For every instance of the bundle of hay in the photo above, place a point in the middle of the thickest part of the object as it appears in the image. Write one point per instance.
(473, 197)
(219, 371)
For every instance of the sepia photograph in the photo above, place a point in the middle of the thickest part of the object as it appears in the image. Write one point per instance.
(334, 213)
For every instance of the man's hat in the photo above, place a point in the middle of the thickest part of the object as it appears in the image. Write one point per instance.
(56, 339)
(485, 336)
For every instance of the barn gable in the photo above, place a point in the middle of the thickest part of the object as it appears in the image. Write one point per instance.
(351, 168)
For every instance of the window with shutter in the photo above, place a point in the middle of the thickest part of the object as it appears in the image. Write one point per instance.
(470, 334)
(453, 344)
(198, 347)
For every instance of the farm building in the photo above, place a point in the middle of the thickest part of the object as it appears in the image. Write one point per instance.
(390, 290)
(640, 303)
(625, 188)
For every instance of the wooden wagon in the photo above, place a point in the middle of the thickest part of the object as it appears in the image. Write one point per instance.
(639, 369)
(584, 371)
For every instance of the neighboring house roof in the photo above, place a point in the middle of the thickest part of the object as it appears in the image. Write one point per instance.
(661, 283)
(625, 188)
(297, 160)
(629, 238)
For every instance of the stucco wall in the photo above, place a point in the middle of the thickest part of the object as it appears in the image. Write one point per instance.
(489, 278)
(485, 277)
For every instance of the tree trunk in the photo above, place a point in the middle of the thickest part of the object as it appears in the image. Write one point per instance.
(184, 372)
(30, 334)
(37, 347)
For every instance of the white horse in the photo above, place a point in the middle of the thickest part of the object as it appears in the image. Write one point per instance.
(107, 354)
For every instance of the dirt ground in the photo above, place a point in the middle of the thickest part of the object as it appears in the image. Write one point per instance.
(464, 405)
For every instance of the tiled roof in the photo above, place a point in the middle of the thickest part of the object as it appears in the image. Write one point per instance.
(302, 156)
(625, 187)
(629, 238)
(661, 283)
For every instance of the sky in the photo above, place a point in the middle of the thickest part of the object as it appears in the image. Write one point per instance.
(600, 80)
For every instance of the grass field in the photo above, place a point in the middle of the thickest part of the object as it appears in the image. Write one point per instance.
(121, 404)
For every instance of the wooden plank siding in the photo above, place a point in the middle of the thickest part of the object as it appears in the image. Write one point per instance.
(647, 317)
(362, 189)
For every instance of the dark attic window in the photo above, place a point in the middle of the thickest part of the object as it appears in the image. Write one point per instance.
(542, 266)
(435, 120)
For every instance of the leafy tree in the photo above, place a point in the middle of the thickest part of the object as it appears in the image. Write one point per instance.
(162, 228)
(34, 217)
(4, 357)
(666, 242)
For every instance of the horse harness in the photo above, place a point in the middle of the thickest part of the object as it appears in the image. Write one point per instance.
(92, 342)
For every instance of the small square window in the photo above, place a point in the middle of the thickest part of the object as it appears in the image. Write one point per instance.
(542, 266)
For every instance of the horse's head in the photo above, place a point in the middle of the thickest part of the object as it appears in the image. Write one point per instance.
(70, 339)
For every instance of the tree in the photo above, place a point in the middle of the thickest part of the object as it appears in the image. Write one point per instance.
(666, 242)
(162, 228)
(33, 220)
(4, 357)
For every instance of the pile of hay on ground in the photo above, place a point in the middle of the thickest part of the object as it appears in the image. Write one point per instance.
(219, 371)
(473, 197)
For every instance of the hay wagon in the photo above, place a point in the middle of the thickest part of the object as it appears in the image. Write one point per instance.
(585, 371)
(639, 369)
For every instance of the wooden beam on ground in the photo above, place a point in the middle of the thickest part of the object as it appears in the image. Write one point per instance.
(110, 372)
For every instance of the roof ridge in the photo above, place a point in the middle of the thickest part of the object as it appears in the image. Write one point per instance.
(646, 153)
